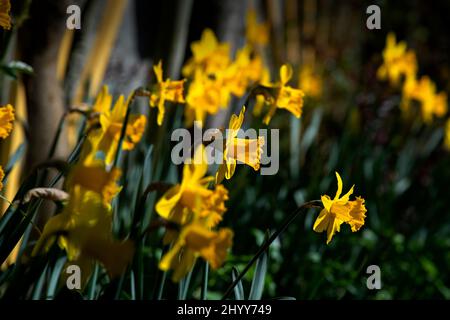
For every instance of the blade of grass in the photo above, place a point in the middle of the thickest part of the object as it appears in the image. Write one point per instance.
(239, 288)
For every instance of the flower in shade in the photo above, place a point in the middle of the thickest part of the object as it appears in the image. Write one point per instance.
(84, 230)
(5, 19)
(166, 90)
(193, 241)
(245, 150)
(256, 33)
(339, 210)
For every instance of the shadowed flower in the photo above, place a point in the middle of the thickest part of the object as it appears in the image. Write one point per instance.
(447, 135)
(310, 82)
(256, 33)
(247, 151)
(84, 230)
(5, 19)
(6, 120)
(167, 90)
(339, 210)
(194, 240)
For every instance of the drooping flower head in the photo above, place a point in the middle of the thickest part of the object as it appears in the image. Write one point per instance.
(286, 97)
(339, 210)
(244, 150)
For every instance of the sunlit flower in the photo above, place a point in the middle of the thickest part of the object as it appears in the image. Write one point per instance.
(398, 62)
(339, 210)
(167, 90)
(5, 19)
(84, 230)
(245, 150)
(194, 240)
(256, 33)
(208, 55)
(6, 120)
(310, 82)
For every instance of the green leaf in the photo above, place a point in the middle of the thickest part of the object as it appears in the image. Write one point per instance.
(238, 289)
(257, 287)
(14, 68)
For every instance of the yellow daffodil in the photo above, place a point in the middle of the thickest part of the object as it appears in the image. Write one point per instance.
(310, 82)
(206, 95)
(6, 120)
(247, 151)
(5, 19)
(244, 71)
(96, 178)
(193, 195)
(256, 33)
(424, 91)
(106, 138)
(84, 230)
(339, 210)
(193, 241)
(208, 55)
(397, 61)
(167, 90)
(287, 97)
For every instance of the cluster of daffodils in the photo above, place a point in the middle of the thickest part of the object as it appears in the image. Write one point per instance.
(196, 209)
(84, 227)
(400, 68)
(6, 126)
(214, 77)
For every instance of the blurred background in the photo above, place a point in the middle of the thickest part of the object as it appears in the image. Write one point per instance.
(351, 123)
